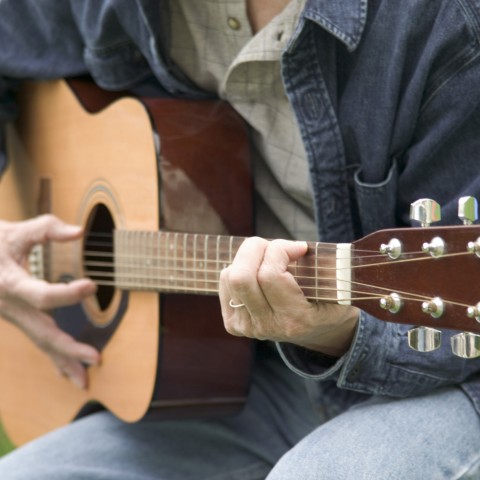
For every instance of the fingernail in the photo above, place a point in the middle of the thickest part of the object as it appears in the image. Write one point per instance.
(91, 289)
(72, 229)
(91, 362)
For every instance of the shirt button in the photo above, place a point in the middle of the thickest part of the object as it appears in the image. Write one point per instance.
(234, 23)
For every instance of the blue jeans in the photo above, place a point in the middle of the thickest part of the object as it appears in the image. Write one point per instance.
(431, 437)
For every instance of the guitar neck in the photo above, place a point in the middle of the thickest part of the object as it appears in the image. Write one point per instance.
(191, 263)
(414, 285)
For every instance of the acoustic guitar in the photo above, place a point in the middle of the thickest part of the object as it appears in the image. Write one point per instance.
(163, 190)
(135, 173)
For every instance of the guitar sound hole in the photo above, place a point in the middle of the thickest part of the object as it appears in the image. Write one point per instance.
(98, 253)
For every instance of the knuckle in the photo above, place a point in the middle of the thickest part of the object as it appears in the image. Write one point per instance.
(47, 219)
(224, 275)
(240, 278)
(255, 242)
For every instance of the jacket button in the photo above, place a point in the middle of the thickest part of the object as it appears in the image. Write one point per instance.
(234, 23)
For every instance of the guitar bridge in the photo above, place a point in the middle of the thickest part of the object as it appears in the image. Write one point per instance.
(35, 262)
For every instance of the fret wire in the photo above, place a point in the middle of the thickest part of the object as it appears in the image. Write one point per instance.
(195, 257)
(185, 238)
(217, 256)
(205, 249)
(316, 267)
(169, 256)
(176, 253)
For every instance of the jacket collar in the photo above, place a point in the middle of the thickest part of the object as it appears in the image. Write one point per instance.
(345, 19)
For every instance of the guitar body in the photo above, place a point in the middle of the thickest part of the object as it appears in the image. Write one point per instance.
(166, 354)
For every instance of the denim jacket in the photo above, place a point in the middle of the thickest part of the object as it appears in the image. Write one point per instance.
(387, 99)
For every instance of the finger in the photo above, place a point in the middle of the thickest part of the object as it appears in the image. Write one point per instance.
(44, 228)
(43, 330)
(68, 355)
(241, 278)
(239, 285)
(278, 285)
(71, 358)
(231, 317)
(74, 371)
(46, 296)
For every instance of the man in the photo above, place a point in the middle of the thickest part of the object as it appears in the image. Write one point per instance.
(357, 109)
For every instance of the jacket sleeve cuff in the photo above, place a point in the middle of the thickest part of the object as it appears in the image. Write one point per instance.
(380, 362)
(346, 370)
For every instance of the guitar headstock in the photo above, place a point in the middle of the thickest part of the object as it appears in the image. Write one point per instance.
(425, 276)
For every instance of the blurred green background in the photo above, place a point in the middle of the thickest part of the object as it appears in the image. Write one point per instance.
(5, 445)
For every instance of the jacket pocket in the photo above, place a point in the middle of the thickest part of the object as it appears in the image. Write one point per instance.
(377, 201)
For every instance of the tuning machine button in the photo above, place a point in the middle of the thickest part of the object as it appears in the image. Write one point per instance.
(466, 345)
(435, 307)
(468, 210)
(474, 312)
(393, 248)
(426, 211)
(474, 247)
(424, 339)
(436, 248)
(392, 303)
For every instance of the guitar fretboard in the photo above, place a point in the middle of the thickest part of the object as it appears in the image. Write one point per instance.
(191, 263)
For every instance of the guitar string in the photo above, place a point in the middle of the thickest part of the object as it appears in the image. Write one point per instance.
(315, 249)
(329, 299)
(148, 260)
(368, 295)
(208, 262)
(173, 264)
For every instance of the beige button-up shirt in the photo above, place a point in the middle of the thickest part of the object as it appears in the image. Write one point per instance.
(213, 43)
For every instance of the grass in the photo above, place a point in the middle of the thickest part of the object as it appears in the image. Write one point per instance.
(5, 444)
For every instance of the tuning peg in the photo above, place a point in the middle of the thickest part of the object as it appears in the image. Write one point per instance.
(466, 345)
(424, 339)
(426, 211)
(468, 210)
(435, 307)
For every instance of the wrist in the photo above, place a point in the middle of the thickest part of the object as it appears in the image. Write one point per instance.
(337, 341)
